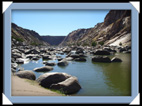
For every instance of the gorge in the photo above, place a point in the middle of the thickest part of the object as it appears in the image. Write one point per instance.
(92, 61)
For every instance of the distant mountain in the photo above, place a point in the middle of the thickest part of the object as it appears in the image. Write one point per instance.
(115, 29)
(53, 40)
(26, 36)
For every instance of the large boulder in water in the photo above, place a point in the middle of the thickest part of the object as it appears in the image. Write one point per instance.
(47, 79)
(80, 59)
(63, 63)
(69, 86)
(50, 64)
(104, 59)
(26, 74)
(115, 59)
(43, 69)
(74, 56)
(101, 52)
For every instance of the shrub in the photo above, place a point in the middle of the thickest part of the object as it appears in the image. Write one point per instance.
(120, 44)
(101, 43)
(17, 39)
(94, 43)
(34, 44)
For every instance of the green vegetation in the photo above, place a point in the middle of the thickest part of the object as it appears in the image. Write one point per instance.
(34, 44)
(120, 44)
(101, 43)
(57, 91)
(32, 82)
(17, 38)
(94, 43)
(78, 43)
(85, 44)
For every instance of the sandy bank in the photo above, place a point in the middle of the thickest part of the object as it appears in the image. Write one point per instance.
(25, 87)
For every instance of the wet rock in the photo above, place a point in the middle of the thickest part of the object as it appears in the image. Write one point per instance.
(16, 55)
(101, 52)
(47, 79)
(36, 58)
(30, 56)
(68, 58)
(115, 59)
(43, 69)
(14, 65)
(19, 61)
(104, 59)
(79, 50)
(80, 59)
(68, 86)
(62, 63)
(50, 64)
(32, 51)
(46, 57)
(59, 59)
(13, 70)
(26, 74)
(74, 56)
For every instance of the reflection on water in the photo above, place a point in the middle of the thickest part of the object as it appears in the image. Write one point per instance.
(96, 79)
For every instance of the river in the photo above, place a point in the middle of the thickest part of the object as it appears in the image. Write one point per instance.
(96, 79)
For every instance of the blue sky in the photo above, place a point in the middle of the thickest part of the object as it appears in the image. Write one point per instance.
(57, 22)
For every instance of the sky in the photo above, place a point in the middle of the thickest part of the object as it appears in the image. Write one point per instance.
(57, 22)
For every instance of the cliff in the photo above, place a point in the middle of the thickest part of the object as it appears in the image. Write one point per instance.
(53, 40)
(115, 29)
(26, 36)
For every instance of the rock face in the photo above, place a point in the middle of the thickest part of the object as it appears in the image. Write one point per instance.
(26, 74)
(115, 29)
(103, 59)
(25, 36)
(43, 69)
(69, 86)
(47, 79)
(53, 40)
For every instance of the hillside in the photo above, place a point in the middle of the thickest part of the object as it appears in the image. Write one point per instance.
(115, 29)
(53, 40)
(26, 36)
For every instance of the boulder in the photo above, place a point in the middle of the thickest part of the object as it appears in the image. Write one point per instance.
(30, 56)
(47, 79)
(16, 55)
(74, 56)
(104, 59)
(63, 63)
(79, 50)
(115, 59)
(69, 58)
(36, 58)
(14, 65)
(26, 74)
(50, 64)
(101, 52)
(19, 61)
(68, 86)
(43, 69)
(46, 57)
(59, 59)
(80, 59)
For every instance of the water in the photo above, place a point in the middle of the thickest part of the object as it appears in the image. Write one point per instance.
(96, 79)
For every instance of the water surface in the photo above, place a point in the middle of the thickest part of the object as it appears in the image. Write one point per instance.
(96, 79)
